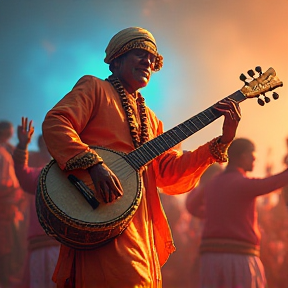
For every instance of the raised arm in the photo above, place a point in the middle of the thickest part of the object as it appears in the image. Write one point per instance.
(27, 176)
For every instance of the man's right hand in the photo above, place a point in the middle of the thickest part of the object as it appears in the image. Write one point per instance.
(106, 183)
(24, 133)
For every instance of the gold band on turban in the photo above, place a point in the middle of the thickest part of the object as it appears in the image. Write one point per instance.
(133, 38)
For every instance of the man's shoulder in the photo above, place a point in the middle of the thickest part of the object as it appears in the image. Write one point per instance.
(91, 78)
(90, 81)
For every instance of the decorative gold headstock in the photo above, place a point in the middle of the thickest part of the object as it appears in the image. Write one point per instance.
(266, 81)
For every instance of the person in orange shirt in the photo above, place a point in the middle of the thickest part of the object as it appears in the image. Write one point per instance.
(111, 113)
(42, 250)
(12, 222)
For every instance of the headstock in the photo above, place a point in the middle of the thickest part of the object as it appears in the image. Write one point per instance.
(265, 82)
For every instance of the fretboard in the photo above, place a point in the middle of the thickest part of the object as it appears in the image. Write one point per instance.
(157, 146)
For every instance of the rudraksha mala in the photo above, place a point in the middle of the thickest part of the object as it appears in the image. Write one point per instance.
(137, 140)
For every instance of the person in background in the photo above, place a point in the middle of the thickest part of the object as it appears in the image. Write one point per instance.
(43, 250)
(12, 212)
(230, 244)
(195, 206)
(194, 202)
(284, 191)
(111, 113)
(41, 157)
(273, 222)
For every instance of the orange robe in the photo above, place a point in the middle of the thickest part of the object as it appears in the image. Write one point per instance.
(92, 114)
(12, 221)
(10, 195)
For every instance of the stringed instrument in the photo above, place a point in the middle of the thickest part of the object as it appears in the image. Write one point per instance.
(65, 202)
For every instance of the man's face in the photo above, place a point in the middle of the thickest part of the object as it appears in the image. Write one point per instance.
(6, 134)
(249, 157)
(135, 69)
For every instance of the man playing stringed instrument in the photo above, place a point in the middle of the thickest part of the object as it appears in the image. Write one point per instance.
(112, 113)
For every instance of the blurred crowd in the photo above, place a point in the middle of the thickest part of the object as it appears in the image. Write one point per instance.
(26, 252)
(182, 268)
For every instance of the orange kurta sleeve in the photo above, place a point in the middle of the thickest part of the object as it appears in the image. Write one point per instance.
(67, 121)
(179, 172)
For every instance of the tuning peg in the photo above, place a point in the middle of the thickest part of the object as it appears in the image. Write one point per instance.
(243, 78)
(260, 102)
(267, 99)
(275, 95)
(251, 73)
(258, 69)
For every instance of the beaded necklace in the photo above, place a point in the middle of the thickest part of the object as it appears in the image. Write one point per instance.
(137, 140)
